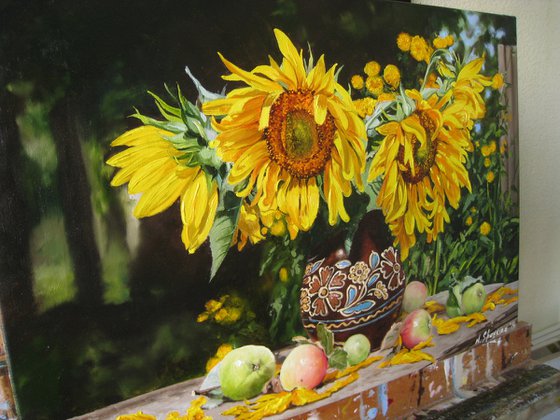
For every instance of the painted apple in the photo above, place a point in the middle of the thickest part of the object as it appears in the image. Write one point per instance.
(415, 295)
(305, 367)
(473, 299)
(417, 327)
(244, 371)
(357, 348)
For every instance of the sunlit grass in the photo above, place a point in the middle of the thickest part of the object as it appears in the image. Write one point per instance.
(52, 264)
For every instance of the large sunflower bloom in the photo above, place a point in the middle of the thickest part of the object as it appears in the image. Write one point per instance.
(422, 162)
(291, 131)
(152, 167)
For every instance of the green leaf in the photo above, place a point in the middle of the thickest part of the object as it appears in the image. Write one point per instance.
(222, 231)
(326, 337)
(173, 126)
(338, 359)
(169, 112)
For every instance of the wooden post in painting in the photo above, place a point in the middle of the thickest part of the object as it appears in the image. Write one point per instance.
(507, 65)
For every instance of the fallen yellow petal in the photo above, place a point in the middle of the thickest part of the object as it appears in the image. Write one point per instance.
(194, 412)
(445, 327)
(475, 318)
(271, 404)
(406, 356)
(432, 306)
(424, 344)
(336, 374)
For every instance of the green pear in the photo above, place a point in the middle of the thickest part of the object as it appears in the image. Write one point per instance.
(244, 371)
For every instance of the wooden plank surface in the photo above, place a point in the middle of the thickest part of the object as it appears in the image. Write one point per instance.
(500, 322)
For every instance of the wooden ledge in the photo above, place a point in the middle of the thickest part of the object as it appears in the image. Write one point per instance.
(463, 359)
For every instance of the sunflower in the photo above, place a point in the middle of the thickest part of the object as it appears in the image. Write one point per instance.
(468, 87)
(290, 132)
(153, 167)
(422, 159)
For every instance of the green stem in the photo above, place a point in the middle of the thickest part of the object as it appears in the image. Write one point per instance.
(436, 268)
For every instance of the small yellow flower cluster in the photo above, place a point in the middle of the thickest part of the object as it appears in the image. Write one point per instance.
(403, 41)
(375, 86)
(443, 42)
(226, 311)
(365, 106)
(392, 75)
(497, 81)
(220, 354)
(488, 149)
(490, 176)
(485, 228)
(419, 48)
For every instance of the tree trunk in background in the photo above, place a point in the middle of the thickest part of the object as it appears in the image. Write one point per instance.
(16, 282)
(75, 197)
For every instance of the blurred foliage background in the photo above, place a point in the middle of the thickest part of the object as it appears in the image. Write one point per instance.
(99, 307)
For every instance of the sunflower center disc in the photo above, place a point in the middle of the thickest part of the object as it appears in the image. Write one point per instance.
(294, 140)
(301, 134)
(424, 154)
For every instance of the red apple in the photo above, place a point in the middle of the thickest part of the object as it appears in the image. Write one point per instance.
(417, 327)
(415, 296)
(305, 367)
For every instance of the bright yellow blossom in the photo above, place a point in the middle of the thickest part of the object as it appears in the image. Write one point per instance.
(488, 149)
(490, 176)
(497, 81)
(365, 106)
(485, 228)
(154, 168)
(386, 96)
(468, 88)
(374, 85)
(487, 162)
(289, 131)
(283, 275)
(403, 41)
(419, 48)
(440, 42)
(372, 68)
(357, 82)
(392, 75)
(421, 160)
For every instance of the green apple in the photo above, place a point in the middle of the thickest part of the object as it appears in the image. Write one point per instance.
(473, 299)
(357, 348)
(244, 371)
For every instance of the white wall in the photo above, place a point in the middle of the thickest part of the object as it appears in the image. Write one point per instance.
(538, 53)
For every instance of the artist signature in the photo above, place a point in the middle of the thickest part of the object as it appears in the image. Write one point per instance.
(490, 334)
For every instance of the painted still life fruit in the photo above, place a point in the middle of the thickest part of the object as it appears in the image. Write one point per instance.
(192, 186)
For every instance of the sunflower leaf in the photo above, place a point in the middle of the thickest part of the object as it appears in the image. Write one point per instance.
(173, 126)
(223, 229)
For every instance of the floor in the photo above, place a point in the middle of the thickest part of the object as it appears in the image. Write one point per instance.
(555, 363)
